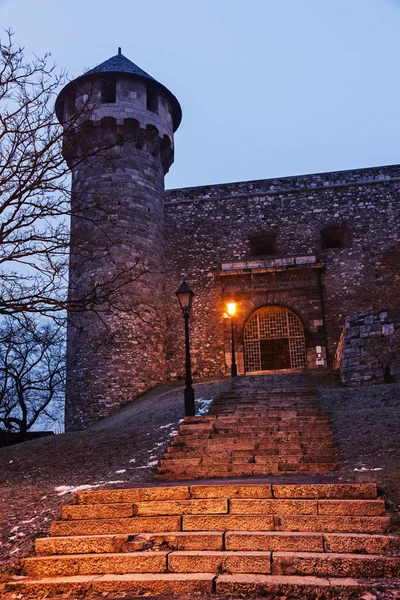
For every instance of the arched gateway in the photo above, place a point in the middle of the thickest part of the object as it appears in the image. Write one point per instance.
(274, 341)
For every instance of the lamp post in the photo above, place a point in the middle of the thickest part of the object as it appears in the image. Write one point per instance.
(185, 297)
(231, 306)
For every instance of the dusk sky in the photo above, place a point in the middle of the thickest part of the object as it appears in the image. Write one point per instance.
(267, 87)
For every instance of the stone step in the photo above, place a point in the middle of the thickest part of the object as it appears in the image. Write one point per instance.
(307, 507)
(293, 587)
(191, 561)
(133, 583)
(300, 523)
(169, 584)
(216, 419)
(269, 450)
(139, 494)
(261, 407)
(219, 562)
(147, 508)
(259, 429)
(244, 470)
(345, 491)
(182, 540)
(96, 564)
(362, 543)
(302, 456)
(103, 526)
(246, 421)
(334, 565)
(220, 506)
(283, 541)
(349, 491)
(225, 442)
(271, 464)
(222, 522)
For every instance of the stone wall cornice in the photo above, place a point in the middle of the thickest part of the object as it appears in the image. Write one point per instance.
(285, 185)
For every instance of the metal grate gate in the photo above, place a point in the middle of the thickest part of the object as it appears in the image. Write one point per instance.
(274, 340)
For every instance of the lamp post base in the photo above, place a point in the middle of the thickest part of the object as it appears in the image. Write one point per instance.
(189, 401)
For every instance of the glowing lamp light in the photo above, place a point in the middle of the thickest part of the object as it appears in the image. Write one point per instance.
(231, 306)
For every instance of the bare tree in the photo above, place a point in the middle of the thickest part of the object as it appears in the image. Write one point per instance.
(35, 198)
(32, 373)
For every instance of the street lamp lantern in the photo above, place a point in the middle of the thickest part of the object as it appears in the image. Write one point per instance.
(231, 307)
(185, 297)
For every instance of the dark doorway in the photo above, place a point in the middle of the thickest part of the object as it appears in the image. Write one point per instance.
(274, 341)
(275, 354)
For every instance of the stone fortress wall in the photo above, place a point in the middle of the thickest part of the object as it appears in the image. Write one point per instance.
(369, 348)
(297, 254)
(208, 240)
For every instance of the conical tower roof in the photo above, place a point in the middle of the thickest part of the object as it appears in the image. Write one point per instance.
(120, 64)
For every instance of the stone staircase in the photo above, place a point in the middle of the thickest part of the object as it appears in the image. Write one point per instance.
(297, 537)
(265, 425)
(254, 539)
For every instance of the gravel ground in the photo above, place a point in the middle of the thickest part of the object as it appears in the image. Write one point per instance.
(366, 424)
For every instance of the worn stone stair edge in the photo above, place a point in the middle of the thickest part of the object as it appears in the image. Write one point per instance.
(253, 490)
(269, 586)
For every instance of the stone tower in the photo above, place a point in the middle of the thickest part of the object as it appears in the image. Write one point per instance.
(119, 149)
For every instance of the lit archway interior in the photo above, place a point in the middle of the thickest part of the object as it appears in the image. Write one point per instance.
(274, 341)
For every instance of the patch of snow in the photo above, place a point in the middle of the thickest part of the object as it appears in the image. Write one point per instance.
(173, 433)
(133, 460)
(152, 463)
(120, 471)
(10, 461)
(14, 529)
(116, 481)
(43, 497)
(365, 469)
(167, 425)
(70, 489)
(202, 406)
(29, 520)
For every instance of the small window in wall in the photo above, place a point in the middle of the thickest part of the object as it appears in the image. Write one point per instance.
(152, 98)
(335, 237)
(108, 90)
(71, 101)
(263, 244)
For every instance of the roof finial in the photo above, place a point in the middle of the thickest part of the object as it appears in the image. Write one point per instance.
(119, 49)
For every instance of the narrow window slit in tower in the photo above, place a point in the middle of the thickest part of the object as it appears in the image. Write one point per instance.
(152, 98)
(108, 90)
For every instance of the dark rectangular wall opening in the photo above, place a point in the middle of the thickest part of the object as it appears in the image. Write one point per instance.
(108, 90)
(152, 98)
